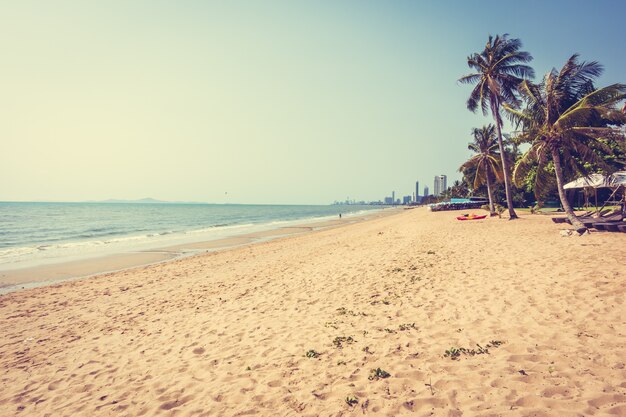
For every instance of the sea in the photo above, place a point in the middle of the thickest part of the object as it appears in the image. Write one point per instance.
(33, 234)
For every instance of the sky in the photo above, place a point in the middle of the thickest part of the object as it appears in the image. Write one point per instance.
(269, 102)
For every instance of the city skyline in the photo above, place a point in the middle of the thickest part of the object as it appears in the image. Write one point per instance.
(440, 185)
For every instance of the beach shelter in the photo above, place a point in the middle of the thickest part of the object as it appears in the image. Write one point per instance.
(591, 181)
(594, 181)
(618, 179)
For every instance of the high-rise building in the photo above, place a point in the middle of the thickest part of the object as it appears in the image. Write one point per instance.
(417, 191)
(440, 184)
(393, 197)
(426, 191)
(406, 199)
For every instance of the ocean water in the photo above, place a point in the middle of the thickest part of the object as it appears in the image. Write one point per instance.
(39, 233)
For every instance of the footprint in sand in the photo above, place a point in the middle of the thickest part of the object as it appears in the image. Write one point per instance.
(53, 385)
(556, 392)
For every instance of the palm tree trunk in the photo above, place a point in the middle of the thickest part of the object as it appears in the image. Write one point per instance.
(495, 111)
(492, 211)
(556, 158)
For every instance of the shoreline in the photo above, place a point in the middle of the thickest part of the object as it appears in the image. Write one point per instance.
(18, 279)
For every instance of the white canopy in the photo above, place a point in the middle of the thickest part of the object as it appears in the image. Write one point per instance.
(598, 181)
(618, 178)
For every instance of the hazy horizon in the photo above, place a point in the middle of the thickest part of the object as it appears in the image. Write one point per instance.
(259, 103)
(150, 200)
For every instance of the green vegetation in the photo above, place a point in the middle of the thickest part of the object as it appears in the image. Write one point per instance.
(568, 123)
(312, 354)
(568, 127)
(352, 401)
(342, 311)
(332, 324)
(339, 341)
(378, 373)
(455, 353)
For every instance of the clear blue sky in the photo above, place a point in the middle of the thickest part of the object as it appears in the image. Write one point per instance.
(270, 102)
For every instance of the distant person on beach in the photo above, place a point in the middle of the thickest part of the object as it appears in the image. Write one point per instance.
(340, 215)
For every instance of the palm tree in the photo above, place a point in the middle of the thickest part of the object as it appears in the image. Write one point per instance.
(458, 189)
(486, 163)
(567, 122)
(499, 70)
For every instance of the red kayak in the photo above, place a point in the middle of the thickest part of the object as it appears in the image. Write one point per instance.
(471, 217)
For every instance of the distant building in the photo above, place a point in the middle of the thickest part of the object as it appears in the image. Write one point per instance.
(393, 196)
(406, 199)
(417, 191)
(440, 184)
(388, 200)
(426, 190)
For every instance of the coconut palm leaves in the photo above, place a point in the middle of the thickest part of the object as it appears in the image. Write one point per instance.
(486, 164)
(500, 68)
(567, 122)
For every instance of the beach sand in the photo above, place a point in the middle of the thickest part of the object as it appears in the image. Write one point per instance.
(226, 333)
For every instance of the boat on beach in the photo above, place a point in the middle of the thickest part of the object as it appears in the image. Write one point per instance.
(471, 217)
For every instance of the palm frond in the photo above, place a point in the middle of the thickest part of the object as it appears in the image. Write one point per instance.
(516, 116)
(607, 96)
(470, 78)
(479, 177)
(531, 93)
(593, 116)
(519, 71)
(543, 178)
(577, 74)
(494, 163)
(523, 167)
(479, 97)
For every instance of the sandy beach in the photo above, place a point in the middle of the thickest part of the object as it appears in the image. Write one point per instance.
(415, 314)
